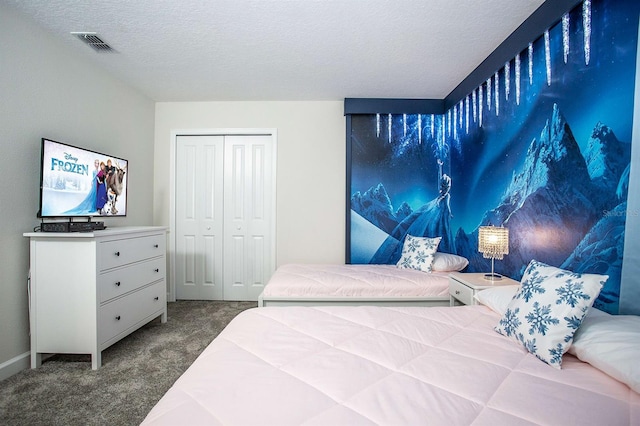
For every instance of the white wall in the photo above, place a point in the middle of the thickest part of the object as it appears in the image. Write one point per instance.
(310, 206)
(48, 90)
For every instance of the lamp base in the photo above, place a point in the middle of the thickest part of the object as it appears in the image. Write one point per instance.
(492, 277)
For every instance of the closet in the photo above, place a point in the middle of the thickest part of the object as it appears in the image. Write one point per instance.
(224, 216)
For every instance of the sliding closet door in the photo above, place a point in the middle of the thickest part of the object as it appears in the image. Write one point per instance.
(248, 195)
(199, 217)
(224, 216)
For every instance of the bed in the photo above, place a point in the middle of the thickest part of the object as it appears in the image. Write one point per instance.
(419, 278)
(365, 365)
(322, 284)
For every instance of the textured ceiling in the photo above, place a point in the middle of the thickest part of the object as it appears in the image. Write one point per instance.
(199, 50)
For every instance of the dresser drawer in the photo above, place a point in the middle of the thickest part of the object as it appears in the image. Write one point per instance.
(114, 253)
(119, 315)
(461, 292)
(117, 282)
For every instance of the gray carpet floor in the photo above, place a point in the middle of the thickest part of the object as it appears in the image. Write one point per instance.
(135, 372)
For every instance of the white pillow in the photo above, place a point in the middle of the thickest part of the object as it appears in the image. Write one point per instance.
(497, 298)
(611, 343)
(548, 309)
(418, 253)
(447, 262)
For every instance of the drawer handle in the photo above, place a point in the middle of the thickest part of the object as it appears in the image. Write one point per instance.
(156, 270)
(118, 318)
(117, 253)
(155, 246)
(118, 284)
(457, 291)
(156, 298)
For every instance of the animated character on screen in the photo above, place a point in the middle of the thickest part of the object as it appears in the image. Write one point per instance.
(87, 205)
(101, 188)
(115, 182)
(110, 169)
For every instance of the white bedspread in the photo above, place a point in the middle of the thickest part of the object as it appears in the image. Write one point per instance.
(370, 281)
(367, 365)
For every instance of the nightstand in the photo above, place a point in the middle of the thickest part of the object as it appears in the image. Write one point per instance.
(462, 287)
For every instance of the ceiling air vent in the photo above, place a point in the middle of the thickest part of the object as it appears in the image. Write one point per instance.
(94, 41)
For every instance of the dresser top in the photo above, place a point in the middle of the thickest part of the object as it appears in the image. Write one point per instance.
(108, 232)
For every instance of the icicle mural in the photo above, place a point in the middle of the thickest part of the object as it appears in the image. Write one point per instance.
(433, 121)
(480, 97)
(507, 80)
(547, 56)
(530, 57)
(586, 29)
(565, 36)
(517, 71)
(404, 124)
(496, 85)
(547, 159)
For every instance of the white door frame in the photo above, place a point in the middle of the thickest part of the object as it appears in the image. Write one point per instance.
(172, 190)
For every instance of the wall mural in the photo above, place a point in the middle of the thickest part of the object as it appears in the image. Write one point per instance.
(542, 147)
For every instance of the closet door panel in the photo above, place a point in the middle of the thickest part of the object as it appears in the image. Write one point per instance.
(248, 194)
(199, 217)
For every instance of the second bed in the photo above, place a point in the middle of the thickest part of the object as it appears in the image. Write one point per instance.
(383, 285)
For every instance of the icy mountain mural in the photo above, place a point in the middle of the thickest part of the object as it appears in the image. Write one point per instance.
(606, 159)
(547, 204)
(600, 251)
(403, 211)
(554, 206)
(542, 146)
(375, 206)
(431, 220)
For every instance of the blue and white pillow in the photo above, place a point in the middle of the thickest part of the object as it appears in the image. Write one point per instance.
(418, 253)
(548, 309)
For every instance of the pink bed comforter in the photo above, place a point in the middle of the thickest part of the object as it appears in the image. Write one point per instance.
(371, 281)
(367, 365)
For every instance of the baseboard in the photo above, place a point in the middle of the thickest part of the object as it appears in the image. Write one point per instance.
(15, 365)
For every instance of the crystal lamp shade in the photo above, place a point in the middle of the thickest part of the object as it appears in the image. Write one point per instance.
(493, 242)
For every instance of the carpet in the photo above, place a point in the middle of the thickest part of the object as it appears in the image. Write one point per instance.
(135, 372)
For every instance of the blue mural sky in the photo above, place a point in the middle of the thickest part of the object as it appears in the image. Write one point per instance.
(601, 91)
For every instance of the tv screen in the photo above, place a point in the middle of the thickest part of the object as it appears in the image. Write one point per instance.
(77, 182)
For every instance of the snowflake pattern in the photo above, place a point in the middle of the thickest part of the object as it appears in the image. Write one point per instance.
(422, 256)
(532, 285)
(540, 319)
(418, 253)
(548, 309)
(571, 292)
(510, 321)
(405, 263)
(412, 245)
(572, 325)
(556, 354)
(529, 345)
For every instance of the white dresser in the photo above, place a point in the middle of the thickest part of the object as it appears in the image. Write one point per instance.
(90, 289)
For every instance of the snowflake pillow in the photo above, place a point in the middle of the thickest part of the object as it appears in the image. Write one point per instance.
(548, 309)
(418, 253)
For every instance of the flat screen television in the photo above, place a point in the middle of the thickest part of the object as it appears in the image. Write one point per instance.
(78, 182)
